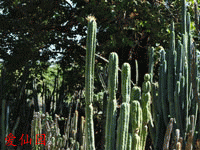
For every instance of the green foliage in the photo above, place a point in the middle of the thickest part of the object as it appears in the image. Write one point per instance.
(49, 76)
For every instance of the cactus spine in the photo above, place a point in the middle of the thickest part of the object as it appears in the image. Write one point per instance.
(89, 81)
(112, 103)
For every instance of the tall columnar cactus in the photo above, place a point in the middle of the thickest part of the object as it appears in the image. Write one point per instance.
(146, 99)
(186, 109)
(126, 82)
(151, 62)
(196, 15)
(183, 16)
(178, 108)
(171, 73)
(129, 143)
(89, 81)
(146, 108)
(179, 60)
(157, 132)
(163, 86)
(122, 129)
(123, 120)
(136, 140)
(112, 103)
(135, 124)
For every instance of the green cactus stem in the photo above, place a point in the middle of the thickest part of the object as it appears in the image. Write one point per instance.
(82, 130)
(171, 73)
(178, 108)
(89, 81)
(122, 129)
(129, 144)
(136, 71)
(146, 98)
(136, 123)
(123, 120)
(135, 113)
(146, 110)
(151, 62)
(136, 141)
(126, 82)
(136, 116)
(196, 15)
(183, 16)
(112, 103)
(163, 85)
(136, 93)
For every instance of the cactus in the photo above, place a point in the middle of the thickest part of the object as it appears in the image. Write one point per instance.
(136, 123)
(183, 16)
(196, 15)
(176, 95)
(123, 120)
(82, 130)
(136, 93)
(135, 117)
(168, 134)
(178, 108)
(89, 81)
(122, 129)
(43, 124)
(151, 62)
(112, 103)
(171, 73)
(129, 143)
(126, 82)
(146, 98)
(136, 141)
(163, 86)
(146, 111)
(182, 91)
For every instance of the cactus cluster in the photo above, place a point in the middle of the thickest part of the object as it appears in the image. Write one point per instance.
(134, 114)
(176, 95)
(42, 124)
(172, 115)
